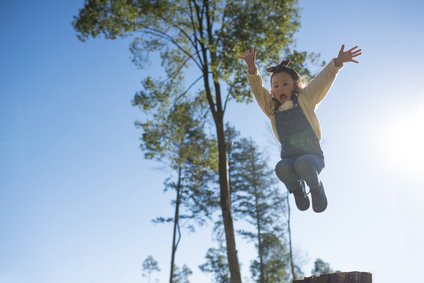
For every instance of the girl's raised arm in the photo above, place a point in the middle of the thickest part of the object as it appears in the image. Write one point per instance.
(347, 56)
(249, 58)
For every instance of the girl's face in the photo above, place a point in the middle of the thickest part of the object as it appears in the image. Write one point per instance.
(282, 87)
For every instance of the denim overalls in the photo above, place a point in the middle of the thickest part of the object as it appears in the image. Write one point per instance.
(301, 154)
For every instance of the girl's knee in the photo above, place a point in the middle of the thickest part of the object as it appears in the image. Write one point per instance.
(308, 163)
(283, 165)
(284, 169)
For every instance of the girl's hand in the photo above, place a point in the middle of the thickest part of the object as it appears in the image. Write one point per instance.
(347, 56)
(249, 58)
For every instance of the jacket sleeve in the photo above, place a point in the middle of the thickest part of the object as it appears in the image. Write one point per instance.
(262, 95)
(318, 88)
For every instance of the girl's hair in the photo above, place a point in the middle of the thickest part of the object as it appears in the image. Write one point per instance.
(275, 104)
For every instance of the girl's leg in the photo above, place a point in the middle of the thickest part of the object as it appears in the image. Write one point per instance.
(286, 173)
(308, 167)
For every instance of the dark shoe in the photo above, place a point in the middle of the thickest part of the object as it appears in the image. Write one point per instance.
(319, 200)
(300, 196)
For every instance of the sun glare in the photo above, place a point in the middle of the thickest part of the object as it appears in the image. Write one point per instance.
(403, 139)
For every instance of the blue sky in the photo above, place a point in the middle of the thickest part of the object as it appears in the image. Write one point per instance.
(77, 197)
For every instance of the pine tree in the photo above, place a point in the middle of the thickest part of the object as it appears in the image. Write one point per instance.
(178, 140)
(149, 265)
(257, 200)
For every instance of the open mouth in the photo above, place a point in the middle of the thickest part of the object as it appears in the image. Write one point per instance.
(283, 96)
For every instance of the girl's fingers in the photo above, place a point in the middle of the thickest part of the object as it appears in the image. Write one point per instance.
(350, 50)
(247, 53)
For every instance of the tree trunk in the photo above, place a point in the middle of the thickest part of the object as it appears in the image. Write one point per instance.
(290, 239)
(177, 207)
(226, 204)
(260, 246)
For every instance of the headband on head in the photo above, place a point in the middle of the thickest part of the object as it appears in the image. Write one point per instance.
(279, 67)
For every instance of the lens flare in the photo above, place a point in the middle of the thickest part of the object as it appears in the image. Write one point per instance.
(403, 141)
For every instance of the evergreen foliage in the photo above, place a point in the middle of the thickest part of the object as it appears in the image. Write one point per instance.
(149, 265)
(257, 200)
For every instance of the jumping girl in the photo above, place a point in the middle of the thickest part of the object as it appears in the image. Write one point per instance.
(291, 110)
